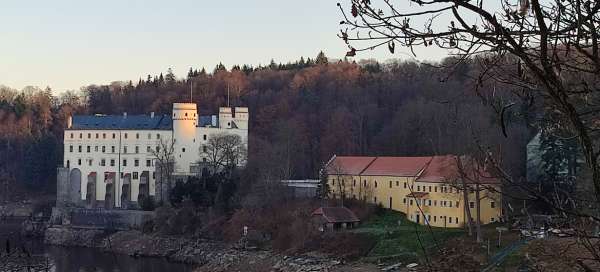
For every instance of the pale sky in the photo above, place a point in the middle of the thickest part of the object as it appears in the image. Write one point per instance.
(66, 44)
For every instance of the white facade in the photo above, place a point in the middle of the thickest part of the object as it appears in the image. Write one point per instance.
(117, 150)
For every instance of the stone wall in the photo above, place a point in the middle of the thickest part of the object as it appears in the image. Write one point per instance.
(101, 218)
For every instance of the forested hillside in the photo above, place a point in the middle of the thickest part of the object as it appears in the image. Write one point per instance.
(300, 114)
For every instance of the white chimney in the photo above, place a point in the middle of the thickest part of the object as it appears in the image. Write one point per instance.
(125, 114)
(152, 115)
(69, 121)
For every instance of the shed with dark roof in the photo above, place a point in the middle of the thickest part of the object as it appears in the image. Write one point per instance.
(335, 218)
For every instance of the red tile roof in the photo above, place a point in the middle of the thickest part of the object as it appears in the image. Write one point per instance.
(336, 214)
(397, 166)
(426, 169)
(445, 169)
(348, 165)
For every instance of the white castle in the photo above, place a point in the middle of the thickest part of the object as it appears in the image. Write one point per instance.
(110, 161)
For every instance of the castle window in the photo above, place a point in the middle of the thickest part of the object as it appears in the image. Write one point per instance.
(112, 148)
(404, 200)
(153, 175)
(80, 135)
(353, 183)
(135, 175)
(96, 148)
(103, 149)
(375, 200)
(71, 135)
(124, 162)
(88, 149)
(457, 204)
(68, 164)
(397, 183)
(149, 136)
(435, 189)
(204, 148)
(112, 162)
(405, 185)
(71, 148)
(450, 220)
(97, 135)
(434, 218)
(148, 149)
(493, 204)
(204, 136)
(148, 163)
(136, 162)
(411, 202)
(429, 188)
(418, 188)
(90, 162)
(157, 149)
(89, 135)
(114, 135)
(125, 135)
(365, 183)
(429, 202)
(375, 184)
(390, 184)
(174, 115)
(186, 114)
(103, 135)
(137, 149)
(450, 202)
(183, 149)
(157, 136)
(125, 149)
(103, 162)
(78, 161)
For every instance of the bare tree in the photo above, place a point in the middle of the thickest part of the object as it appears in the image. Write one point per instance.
(165, 164)
(224, 151)
(336, 171)
(544, 50)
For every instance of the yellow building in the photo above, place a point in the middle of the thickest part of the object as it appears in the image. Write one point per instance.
(429, 190)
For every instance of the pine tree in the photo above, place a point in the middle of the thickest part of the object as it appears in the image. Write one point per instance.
(170, 77)
(321, 59)
(219, 67)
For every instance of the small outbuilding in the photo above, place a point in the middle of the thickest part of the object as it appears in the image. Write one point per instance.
(334, 218)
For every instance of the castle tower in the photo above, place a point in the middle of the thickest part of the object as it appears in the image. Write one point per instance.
(185, 119)
(225, 117)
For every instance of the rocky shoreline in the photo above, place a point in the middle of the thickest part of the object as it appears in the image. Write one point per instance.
(206, 255)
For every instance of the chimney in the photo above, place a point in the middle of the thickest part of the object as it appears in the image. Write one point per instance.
(69, 121)
(125, 114)
(152, 115)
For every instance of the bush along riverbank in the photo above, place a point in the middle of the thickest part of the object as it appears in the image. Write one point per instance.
(207, 255)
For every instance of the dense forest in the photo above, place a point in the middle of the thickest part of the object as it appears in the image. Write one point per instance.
(301, 113)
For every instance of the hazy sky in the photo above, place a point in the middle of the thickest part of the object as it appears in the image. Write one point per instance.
(66, 44)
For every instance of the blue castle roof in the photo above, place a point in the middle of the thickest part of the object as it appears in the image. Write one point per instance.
(130, 122)
(122, 122)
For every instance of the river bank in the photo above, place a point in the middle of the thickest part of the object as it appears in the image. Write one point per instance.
(204, 254)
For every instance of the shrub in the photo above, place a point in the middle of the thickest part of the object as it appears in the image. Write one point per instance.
(147, 203)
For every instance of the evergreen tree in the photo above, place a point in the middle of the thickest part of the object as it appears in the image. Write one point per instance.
(273, 65)
(219, 67)
(170, 77)
(321, 59)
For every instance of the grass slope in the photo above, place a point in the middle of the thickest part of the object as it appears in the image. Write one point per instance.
(398, 238)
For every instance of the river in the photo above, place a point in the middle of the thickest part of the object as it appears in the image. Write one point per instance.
(80, 259)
